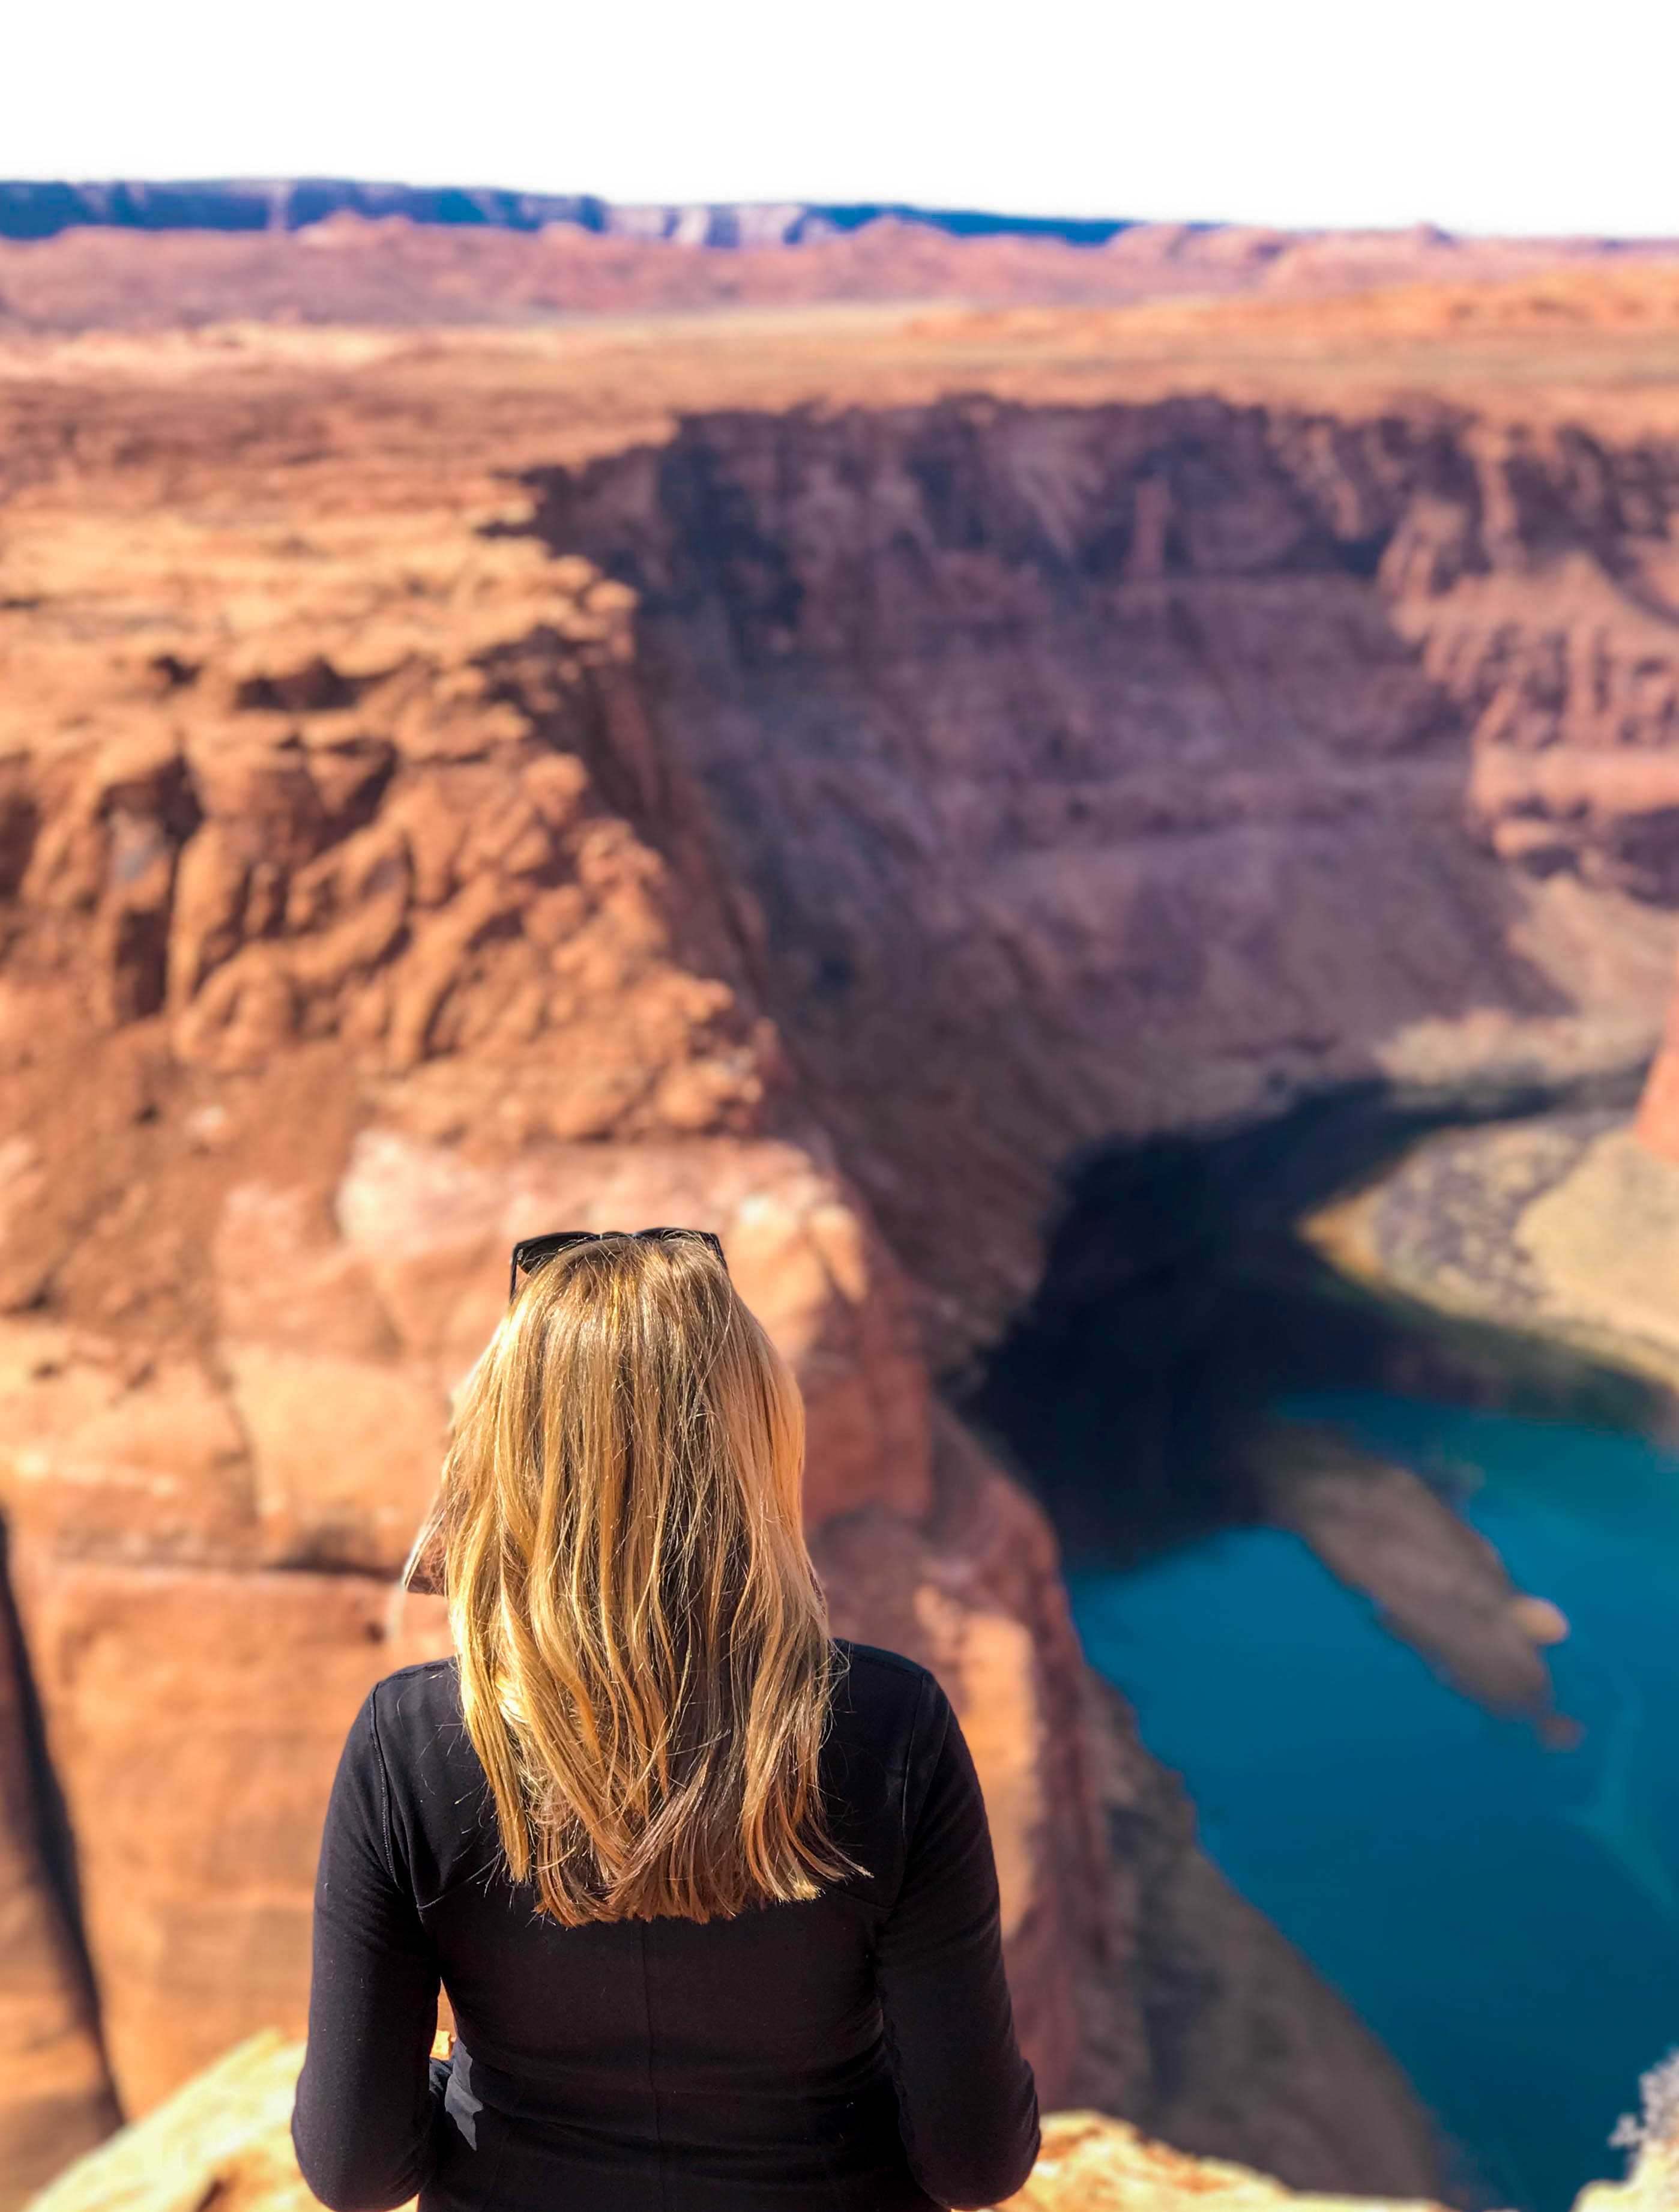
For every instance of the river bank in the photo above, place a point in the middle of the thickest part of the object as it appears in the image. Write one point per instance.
(1564, 1227)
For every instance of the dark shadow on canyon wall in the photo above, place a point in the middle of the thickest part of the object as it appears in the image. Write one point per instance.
(1084, 771)
(53, 1838)
(1180, 1301)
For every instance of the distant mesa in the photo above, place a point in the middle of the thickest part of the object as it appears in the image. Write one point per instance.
(32, 210)
(145, 256)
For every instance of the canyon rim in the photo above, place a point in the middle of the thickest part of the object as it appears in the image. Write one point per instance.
(816, 780)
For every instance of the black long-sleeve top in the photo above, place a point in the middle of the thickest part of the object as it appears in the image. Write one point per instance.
(855, 2053)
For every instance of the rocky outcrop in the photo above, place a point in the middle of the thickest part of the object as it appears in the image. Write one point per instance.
(225, 2138)
(388, 939)
(1150, 766)
(356, 920)
(967, 784)
(1436, 1583)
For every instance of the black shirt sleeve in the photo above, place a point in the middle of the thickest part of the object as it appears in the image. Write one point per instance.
(967, 2105)
(367, 2123)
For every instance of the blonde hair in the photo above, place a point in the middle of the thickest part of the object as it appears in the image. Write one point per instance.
(644, 1663)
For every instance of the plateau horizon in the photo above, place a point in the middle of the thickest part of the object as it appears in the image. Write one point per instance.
(38, 207)
(1300, 115)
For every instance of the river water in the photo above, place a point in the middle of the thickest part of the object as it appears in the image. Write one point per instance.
(1503, 1915)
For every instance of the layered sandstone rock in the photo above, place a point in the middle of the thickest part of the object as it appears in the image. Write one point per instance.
(1152, 765)
(388, 941)
(392, 936)
(358, 917)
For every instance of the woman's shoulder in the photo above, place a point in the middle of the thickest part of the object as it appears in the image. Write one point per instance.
(414, 1720)
(417, 1696)
(438, 1804)
(873, 1658)
(886, 1702)
(869, 1670)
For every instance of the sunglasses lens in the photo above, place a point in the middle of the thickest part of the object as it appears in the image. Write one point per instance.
(705, 1236)
(530, 1252)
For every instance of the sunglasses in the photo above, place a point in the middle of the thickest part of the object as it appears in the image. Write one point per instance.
(531, 1252)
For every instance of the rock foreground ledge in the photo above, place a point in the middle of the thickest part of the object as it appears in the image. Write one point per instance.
(225, 2138)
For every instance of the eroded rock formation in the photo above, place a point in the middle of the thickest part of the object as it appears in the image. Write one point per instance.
(1149, 766)
(357, 920)
(367, 988)
(955, 786)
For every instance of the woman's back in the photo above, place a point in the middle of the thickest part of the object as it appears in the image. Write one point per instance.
(851, 2052)
(712, 1896)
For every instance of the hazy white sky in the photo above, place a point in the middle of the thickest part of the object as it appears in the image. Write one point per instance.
(1489, 115)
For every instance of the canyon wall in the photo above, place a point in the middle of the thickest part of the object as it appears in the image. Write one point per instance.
(330, 967)
(354, 918)
(1103, 770)
(820, 826)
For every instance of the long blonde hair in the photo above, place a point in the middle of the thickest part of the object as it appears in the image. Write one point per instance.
(645, 1663)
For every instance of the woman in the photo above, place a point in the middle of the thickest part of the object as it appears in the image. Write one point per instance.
(711, 1895)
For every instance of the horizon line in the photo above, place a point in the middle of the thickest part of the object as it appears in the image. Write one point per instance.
(51, 205)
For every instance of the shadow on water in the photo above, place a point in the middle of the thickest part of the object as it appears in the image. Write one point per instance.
(1180, 1303)
(1505, 1916)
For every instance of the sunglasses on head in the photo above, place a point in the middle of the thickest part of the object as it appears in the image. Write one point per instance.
(532, 1252)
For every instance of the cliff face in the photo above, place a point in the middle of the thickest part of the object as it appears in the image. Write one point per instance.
(1106, 769)
(955, 785)
(357, 919)
(330, 966)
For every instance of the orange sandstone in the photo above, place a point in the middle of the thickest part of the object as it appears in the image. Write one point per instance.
(368, 896)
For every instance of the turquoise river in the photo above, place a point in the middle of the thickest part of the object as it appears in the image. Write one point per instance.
(1503, 1914)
